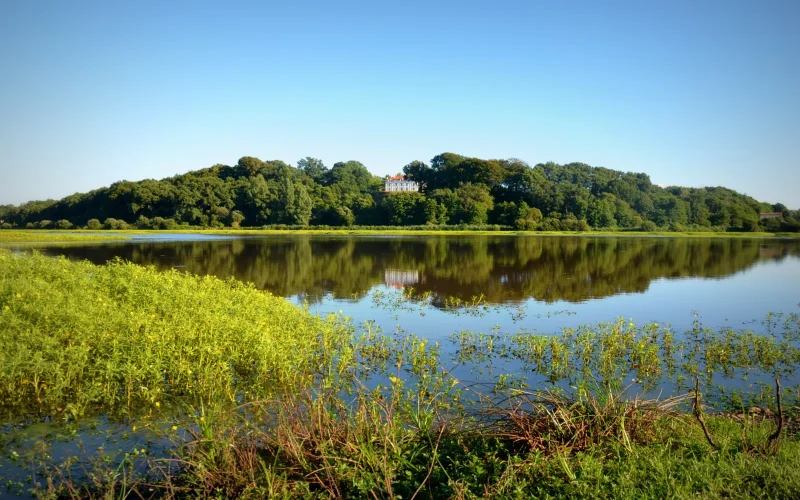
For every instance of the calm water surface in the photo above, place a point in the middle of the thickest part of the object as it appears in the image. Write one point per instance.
(526, 281)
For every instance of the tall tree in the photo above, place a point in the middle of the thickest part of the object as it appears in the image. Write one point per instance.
(313, 168)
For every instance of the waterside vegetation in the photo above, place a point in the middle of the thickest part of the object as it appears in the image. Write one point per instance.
(260, 398)
(26, 236)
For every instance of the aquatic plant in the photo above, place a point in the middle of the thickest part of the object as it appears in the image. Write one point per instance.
(76, 339)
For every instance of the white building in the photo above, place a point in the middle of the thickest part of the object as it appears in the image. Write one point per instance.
(399, 183)
(399, 279)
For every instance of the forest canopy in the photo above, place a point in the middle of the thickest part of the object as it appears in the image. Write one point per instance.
(454, 190)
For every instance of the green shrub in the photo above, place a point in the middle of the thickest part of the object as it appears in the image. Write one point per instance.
(649, 226)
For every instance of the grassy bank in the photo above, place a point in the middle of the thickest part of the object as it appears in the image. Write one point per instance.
(261, 399)
(481, 232)
(43, 236)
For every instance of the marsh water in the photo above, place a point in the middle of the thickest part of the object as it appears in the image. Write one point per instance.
(535, 282)
(436, 286)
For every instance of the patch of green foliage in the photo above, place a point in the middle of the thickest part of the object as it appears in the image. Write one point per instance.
(76, 338)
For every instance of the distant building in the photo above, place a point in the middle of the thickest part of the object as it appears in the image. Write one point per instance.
(398, 278)
(770, 215)
(399, 183)
(775, 253)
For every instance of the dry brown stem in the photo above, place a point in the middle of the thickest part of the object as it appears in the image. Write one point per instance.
(698, 412)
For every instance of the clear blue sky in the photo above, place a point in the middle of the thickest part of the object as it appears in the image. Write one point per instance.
(693, 93)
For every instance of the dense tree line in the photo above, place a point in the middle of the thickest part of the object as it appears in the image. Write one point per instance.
(455, 190)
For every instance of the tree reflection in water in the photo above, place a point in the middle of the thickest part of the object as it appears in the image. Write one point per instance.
(504, 270)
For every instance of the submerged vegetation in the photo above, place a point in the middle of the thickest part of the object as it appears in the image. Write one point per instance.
(258, 398)
(455, 191)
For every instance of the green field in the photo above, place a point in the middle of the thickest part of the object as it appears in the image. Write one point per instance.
(263, 399)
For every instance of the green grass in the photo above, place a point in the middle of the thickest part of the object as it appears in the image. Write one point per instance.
(45, 236)
(320, 447)
(263, 399)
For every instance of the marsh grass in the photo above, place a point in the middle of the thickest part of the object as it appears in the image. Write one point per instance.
(79, 339)
(609, 355)
(552, 421)
(275, 402)
(377, 445)
(39, 236)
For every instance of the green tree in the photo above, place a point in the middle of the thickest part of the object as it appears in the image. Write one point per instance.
(313, 168)
(405, 208)
(601, 211)
(434, 212)
(649, 226)
(247, 166)
(474, 204)
(301, 206)
(530, 218)
(235, 218)
(420, 172)
(111, 223)
(351, 175)
(507, 213)
(345, 216)
(257, 197)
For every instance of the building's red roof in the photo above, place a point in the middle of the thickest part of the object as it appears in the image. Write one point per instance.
(397, 178)
(771, 213)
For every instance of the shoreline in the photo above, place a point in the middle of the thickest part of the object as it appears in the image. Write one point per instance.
(86, 235)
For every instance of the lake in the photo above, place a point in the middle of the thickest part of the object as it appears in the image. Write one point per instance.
(536, 282)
